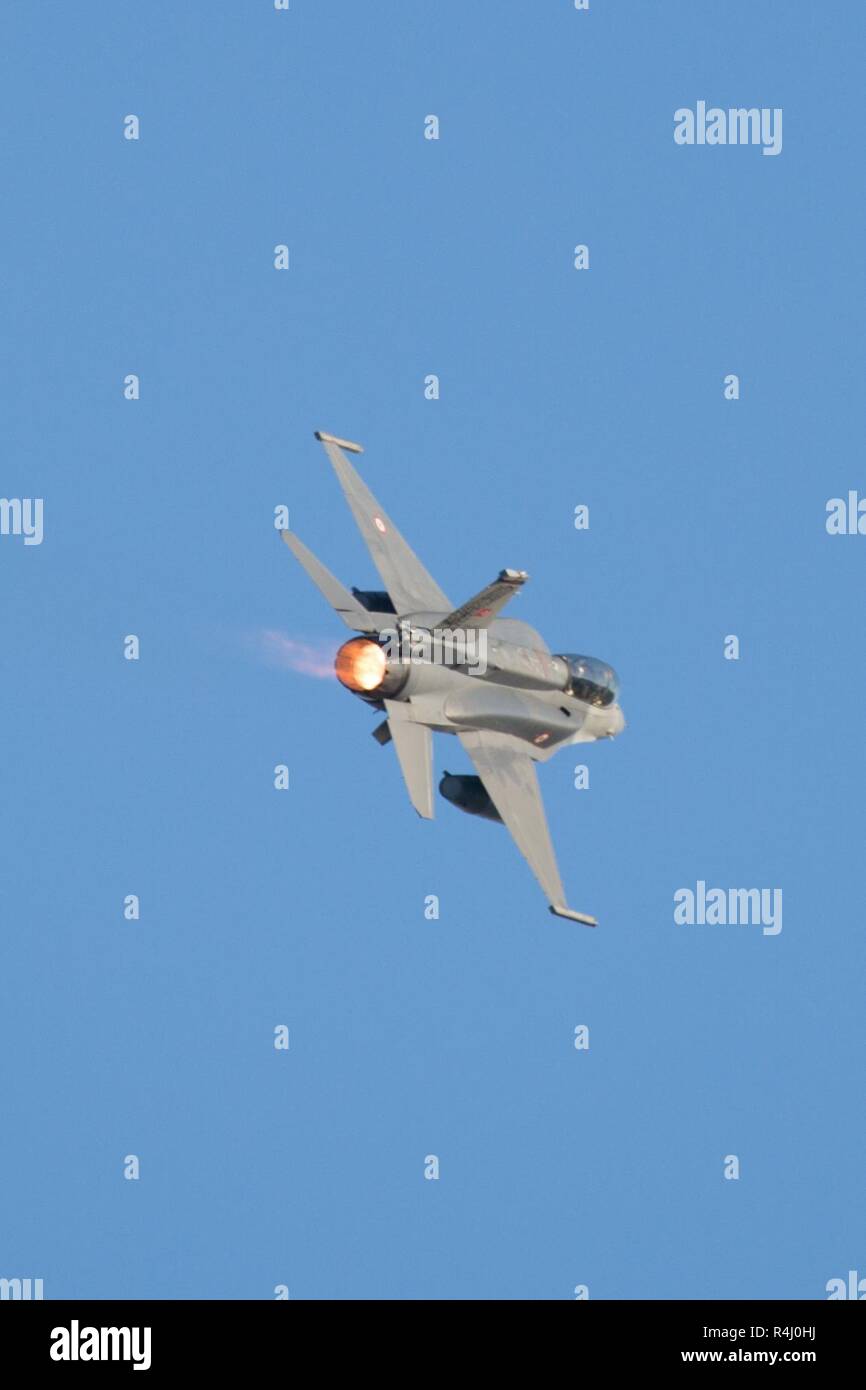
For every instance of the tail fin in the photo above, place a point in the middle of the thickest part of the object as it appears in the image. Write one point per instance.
(480, 611)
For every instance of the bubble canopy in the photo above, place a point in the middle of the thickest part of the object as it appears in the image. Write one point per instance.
(590, 680)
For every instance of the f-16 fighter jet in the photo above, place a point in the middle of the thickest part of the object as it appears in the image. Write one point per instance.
(429, 666)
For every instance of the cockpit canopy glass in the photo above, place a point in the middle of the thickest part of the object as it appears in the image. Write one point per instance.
(590, 680)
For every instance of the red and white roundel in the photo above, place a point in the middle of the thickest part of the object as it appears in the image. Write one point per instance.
(379, 524)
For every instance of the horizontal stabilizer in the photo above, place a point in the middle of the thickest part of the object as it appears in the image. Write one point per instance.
(414, 745)
(337, 595)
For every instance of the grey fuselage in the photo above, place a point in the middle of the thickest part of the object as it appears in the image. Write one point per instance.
(519, 689)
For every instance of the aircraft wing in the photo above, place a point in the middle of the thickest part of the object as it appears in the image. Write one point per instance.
(411, 588)
(511, 781)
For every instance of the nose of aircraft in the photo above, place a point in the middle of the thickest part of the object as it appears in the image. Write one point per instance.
(616, 722)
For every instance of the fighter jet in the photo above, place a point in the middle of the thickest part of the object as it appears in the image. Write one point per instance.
(429, 666)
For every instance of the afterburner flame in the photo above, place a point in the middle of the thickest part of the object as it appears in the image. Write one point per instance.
(360, 665)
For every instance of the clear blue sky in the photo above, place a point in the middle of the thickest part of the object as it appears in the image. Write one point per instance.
(259, 908)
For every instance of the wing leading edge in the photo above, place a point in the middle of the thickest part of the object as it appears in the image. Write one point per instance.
(510, 779)
(412, 589)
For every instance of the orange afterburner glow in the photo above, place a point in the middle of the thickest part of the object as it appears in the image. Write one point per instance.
(360, 665)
